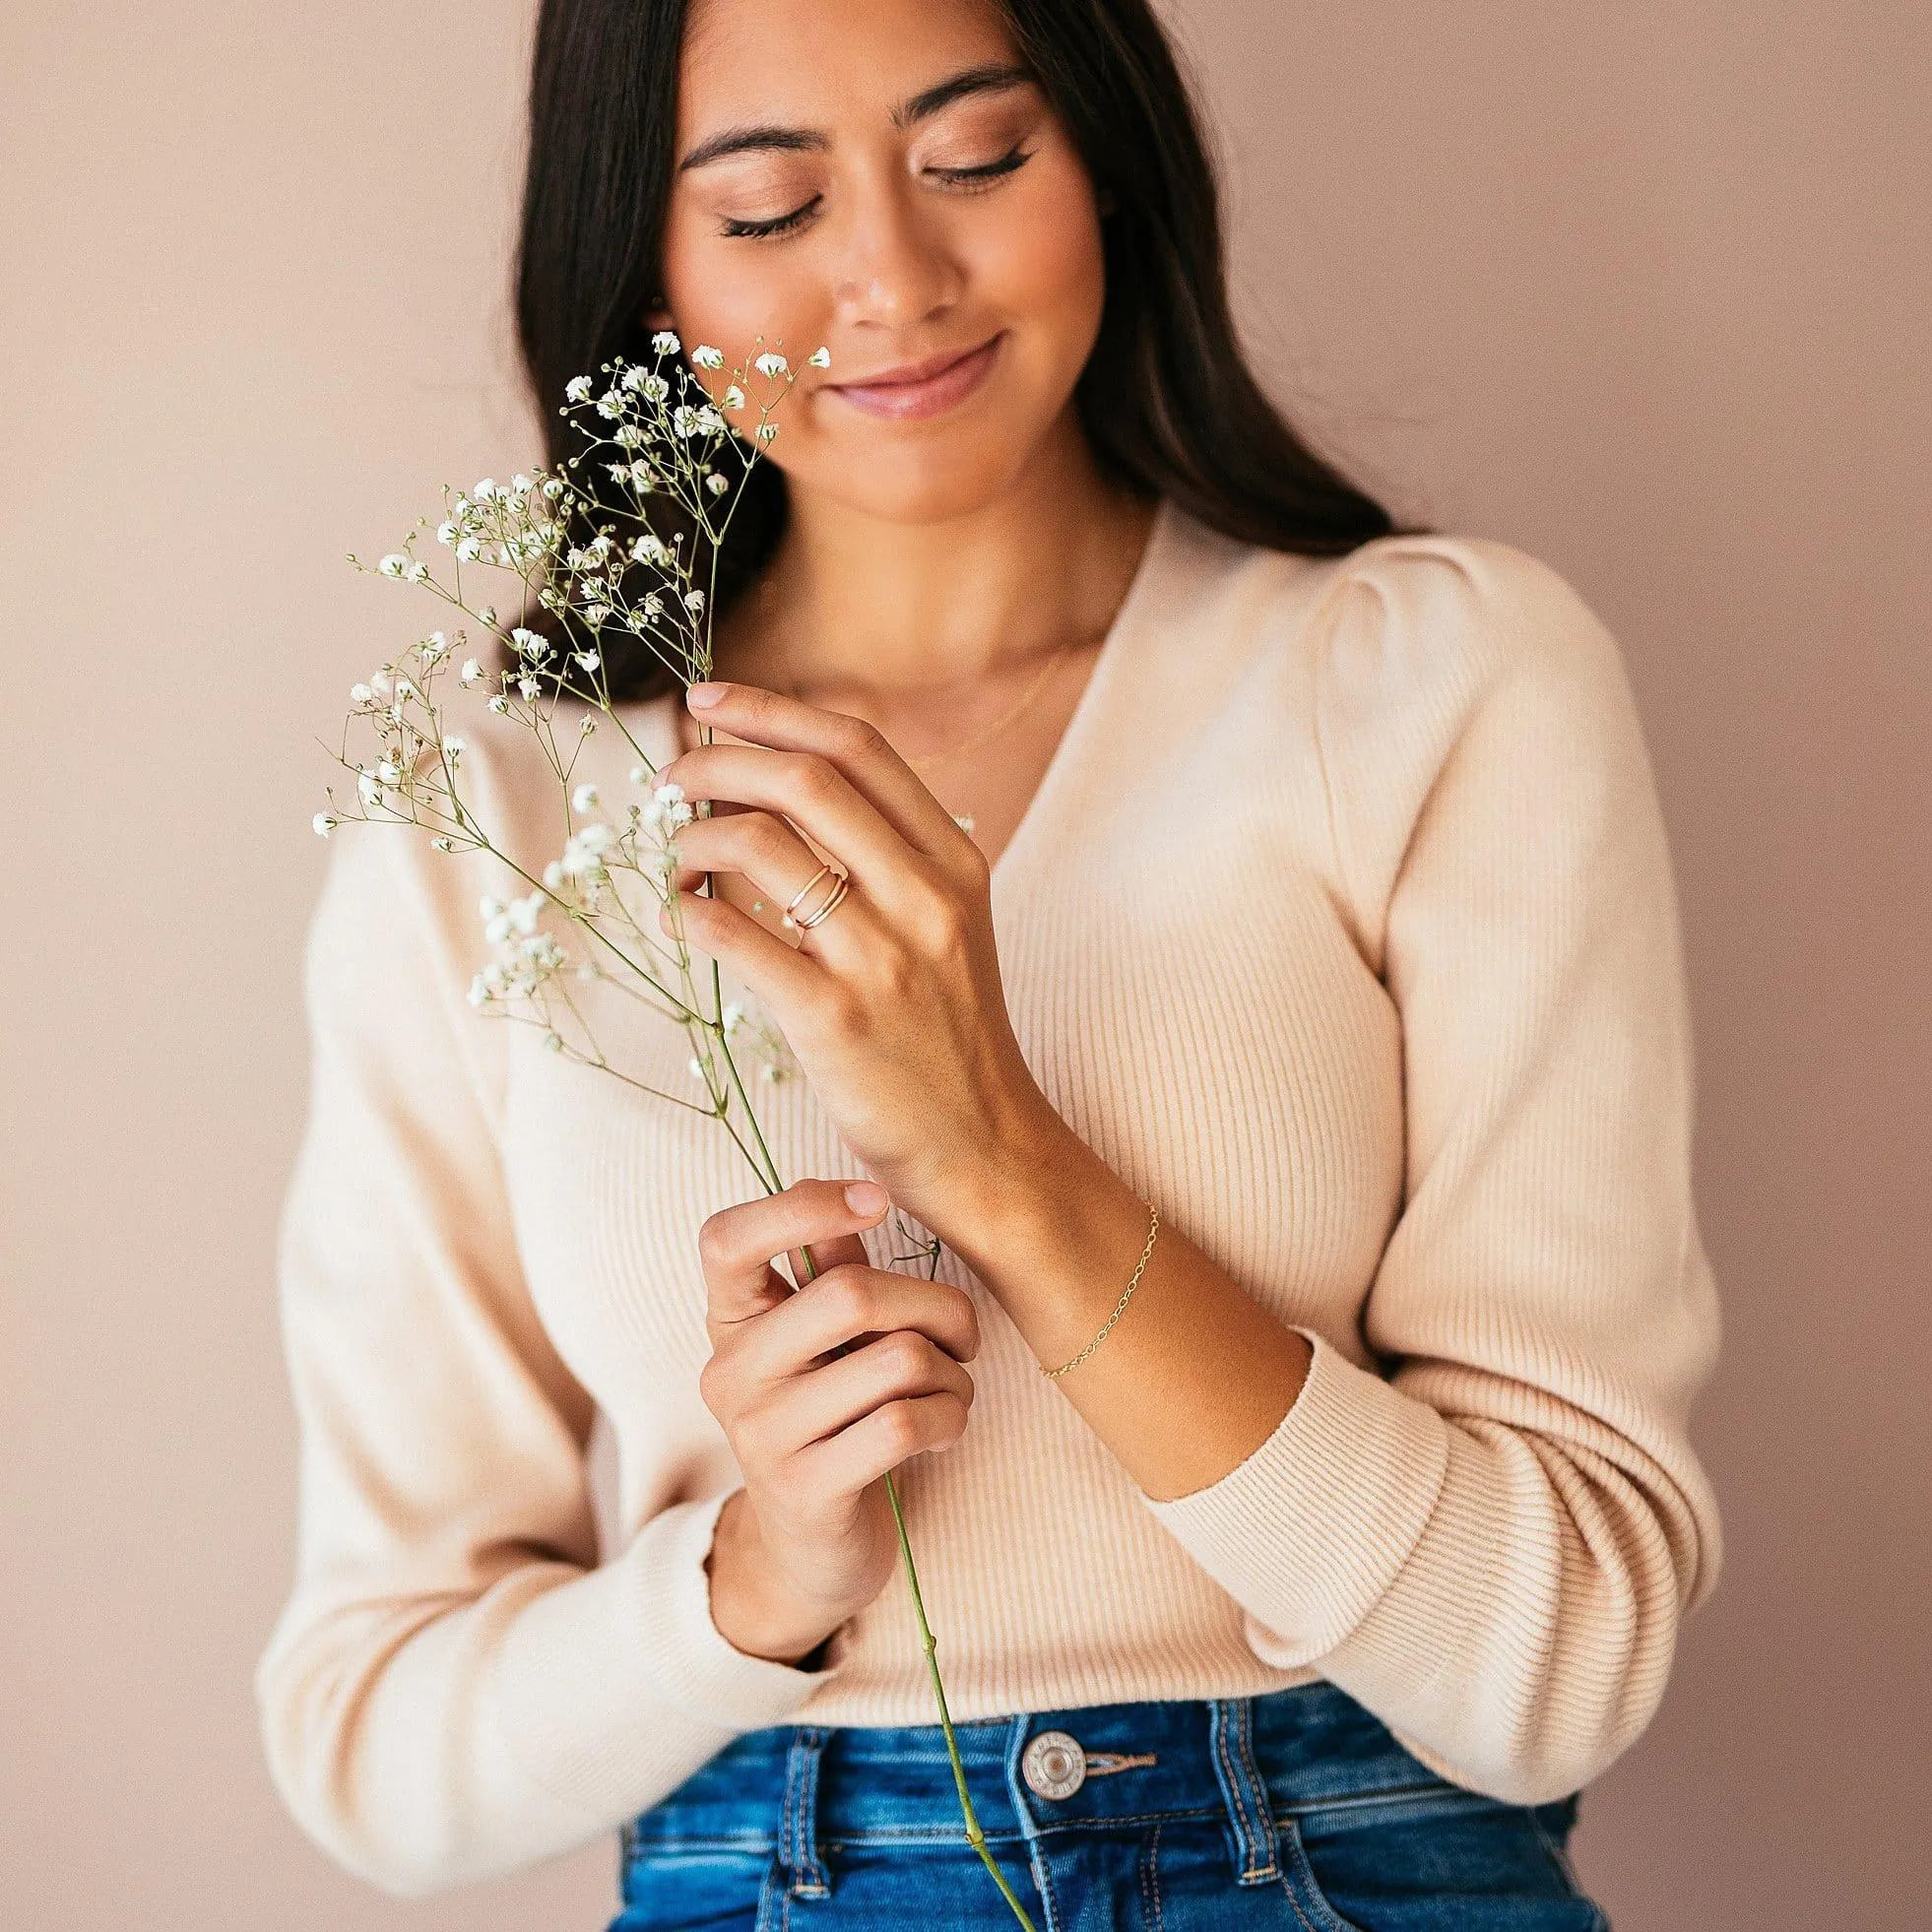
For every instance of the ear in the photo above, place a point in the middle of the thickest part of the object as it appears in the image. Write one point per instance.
(656, 314)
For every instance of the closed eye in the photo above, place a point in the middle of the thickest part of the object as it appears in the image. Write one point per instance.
(1009, 162)
(968, 179)
(778, 225)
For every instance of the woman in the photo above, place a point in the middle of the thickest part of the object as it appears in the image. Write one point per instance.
(1256, 965)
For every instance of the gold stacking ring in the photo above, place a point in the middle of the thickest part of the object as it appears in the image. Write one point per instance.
(832, 901)
(839, 886)
(801, 891)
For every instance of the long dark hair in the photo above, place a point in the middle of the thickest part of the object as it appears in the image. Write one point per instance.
(1167, 399)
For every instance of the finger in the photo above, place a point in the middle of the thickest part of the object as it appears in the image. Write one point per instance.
(819, 800)
(850, 1462)
(793, 982)
(848, 1305)
(857, 747)
(738, 1245)
(762, 847)
(893, 1367)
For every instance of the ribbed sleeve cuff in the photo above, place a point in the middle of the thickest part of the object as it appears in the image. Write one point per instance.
(598, 1675)
(1309, 1531)
(701, 1672)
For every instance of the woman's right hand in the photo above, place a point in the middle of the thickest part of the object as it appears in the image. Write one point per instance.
(820, 1390)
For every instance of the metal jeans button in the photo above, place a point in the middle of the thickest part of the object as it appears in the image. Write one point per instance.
(1054, 1764)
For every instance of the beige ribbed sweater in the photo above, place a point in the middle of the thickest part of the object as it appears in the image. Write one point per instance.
(1342, 926)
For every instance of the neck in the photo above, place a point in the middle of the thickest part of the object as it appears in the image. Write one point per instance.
(854, 602)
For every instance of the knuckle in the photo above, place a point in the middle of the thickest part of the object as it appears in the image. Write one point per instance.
(717, 1250)
(748, 1436)
(762, 832)
(937, 913)
(906, 1355)
(814, 776)
(714, 1386)
(857, 737)
(969, 1321)
(974, 866)
(901, 1425)
(847, 1294)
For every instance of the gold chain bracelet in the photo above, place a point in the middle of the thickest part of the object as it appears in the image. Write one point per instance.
(1152, 1230)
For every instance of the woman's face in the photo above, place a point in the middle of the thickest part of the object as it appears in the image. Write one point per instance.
(880, 177)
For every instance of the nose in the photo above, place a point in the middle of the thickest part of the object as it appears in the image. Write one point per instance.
(897, 269)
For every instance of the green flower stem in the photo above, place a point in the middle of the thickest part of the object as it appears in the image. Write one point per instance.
(929, 1643)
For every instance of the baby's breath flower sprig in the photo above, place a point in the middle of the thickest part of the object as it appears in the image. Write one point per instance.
(655, 435)
(614, 550)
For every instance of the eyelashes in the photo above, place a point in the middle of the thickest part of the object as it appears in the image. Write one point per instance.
(967, 179)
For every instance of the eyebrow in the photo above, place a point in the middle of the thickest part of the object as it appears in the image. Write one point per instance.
(993, 77)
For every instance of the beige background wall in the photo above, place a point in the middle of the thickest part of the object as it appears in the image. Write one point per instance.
(1642, 288)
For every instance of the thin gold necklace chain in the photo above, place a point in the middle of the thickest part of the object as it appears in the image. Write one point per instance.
(999, 724)
(994, 729)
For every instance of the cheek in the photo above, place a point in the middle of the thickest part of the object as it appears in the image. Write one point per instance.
(730, 292)
(1040, 263)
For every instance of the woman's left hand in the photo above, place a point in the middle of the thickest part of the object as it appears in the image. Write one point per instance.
(894, 1004)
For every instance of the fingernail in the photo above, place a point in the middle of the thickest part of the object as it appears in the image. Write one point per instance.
(701, 698)
(866, 1197)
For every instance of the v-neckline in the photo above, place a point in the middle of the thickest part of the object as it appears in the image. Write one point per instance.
(1082, 722)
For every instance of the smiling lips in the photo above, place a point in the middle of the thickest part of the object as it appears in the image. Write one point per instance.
(921, 389)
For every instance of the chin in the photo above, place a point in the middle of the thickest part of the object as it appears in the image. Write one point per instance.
(932, 478)
(933, 498)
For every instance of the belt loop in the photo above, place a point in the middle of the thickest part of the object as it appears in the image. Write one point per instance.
(798, 1848)
(1231, 1738)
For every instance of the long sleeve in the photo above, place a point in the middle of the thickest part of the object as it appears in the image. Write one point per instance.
(1491, 1543)
(455, 1688)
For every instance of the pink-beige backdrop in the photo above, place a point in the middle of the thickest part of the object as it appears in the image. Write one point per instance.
(1640, 288)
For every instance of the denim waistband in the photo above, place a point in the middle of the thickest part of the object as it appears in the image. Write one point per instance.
(796, 1789)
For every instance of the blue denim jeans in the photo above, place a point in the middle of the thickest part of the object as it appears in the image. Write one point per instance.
(1296, 1811)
